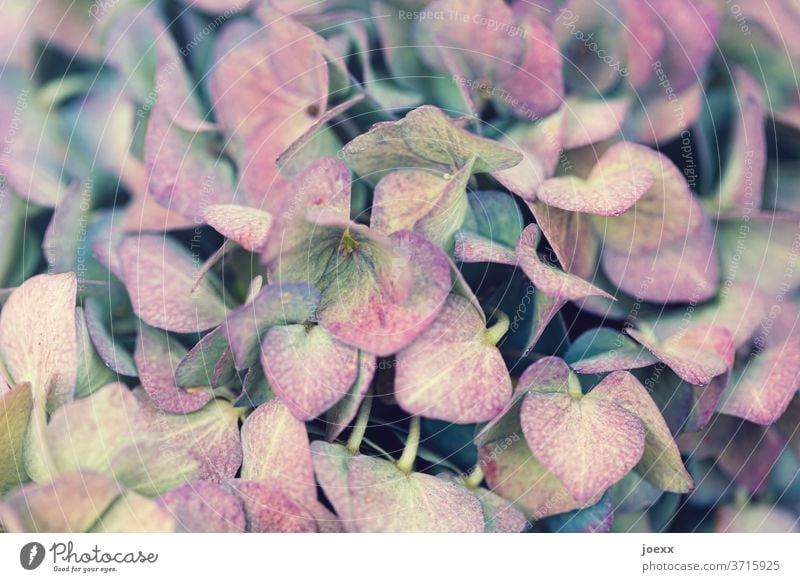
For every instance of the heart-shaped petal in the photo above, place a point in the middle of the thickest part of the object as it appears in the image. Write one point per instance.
(665, 213)
(453, 371)
(425, 139)
(308, 369)
(275, 304)
(269, 510)
(614, 185)
(684, 271)
(588, 442)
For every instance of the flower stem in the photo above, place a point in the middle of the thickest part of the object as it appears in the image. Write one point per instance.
(474, 478)
(495, 333)
(360, 427)
(406, 461)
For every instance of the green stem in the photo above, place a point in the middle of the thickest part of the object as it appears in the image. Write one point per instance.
(406, 461)
(475, 477)
(574, 388)
(495, 333)
(360, 427)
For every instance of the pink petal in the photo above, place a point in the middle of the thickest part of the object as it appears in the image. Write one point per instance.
(474, 248)
(275, 449)
(588, 443)
(451, 372)
(685, 271)
(697, 354)
(71, 503)
(667, 212)
(551, 280)
(158, 274)
(157, 356)
(269, 510)
(375, 319)
(515, 474)
(246, 226)
(273, 71)
(203, 507)
(615, 184)
(763, 391)
(661, 462)
(386, 500)
(536, 89)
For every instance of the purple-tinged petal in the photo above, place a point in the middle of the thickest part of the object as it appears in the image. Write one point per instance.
(15, 410)
(588, 442)
(382, 312)
(331, 462)
(690, 39)
(433, 207)
(203, 507)
(571, 237)
(246, 226)
(384, 499)
(685, 271)
(614, 185)
(471, 247)
(667, 212)
(344, 411)
(761, 393)
(270, 510)
(275, 304)
(274, 71)
(655, 121)
(157, 356)
(500, 516)
(661, 461)
(210, 435)
(158, 273)
(549, 279)
(540, 146)
(469, 46)
(697, 354)
(591, 121)
(276, 451)
(515, 474)
(536, 88)
(643, 27)
(71, 503)
(453, 371)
